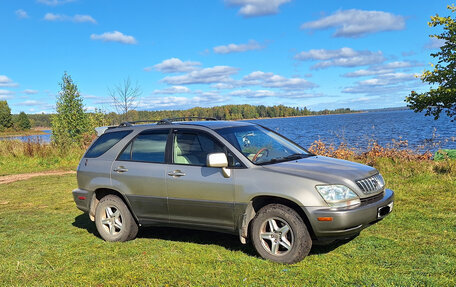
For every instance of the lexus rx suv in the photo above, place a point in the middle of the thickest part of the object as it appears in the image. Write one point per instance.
(226, 176)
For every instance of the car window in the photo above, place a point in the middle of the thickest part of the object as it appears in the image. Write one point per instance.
(147, 147)
(104, 143)
(192, 148)
(260, 145)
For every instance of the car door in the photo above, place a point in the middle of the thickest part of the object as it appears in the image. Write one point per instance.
(139, 172)
(198, 195)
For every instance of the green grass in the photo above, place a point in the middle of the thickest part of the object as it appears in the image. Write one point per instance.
(45, 240)
(24, 157)
(17, 165)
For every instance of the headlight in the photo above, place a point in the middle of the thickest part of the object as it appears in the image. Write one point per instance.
(338, 195)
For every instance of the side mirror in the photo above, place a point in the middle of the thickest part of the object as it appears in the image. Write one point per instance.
(219, 160)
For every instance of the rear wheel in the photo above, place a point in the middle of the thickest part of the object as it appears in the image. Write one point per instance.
(114, 221)
(279, 234)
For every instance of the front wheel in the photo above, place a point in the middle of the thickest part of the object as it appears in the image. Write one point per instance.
(279, 234)
(114, 220)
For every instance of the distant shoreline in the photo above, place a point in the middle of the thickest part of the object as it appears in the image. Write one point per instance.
(287, 117)
(32, 132)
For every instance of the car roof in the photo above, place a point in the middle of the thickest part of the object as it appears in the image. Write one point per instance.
(214, 125)
(217, 124)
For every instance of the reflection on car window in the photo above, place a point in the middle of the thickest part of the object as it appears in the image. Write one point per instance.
(192, 148)
(105, 142)
(260, 145)
(148, 147)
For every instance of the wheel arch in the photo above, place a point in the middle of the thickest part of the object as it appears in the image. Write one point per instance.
(260, 201)
(99, 193)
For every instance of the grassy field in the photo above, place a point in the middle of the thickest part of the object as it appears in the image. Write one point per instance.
(45, 240)
(23, 157)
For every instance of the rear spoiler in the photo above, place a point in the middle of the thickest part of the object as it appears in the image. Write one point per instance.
(101, 130)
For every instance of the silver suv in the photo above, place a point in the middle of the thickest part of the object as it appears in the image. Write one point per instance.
(234, 177)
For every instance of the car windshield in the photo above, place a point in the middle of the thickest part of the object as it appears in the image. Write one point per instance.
(262, 146)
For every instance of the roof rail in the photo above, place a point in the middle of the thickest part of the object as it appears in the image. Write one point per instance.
(129, 124)
(171, 120)
(165, 121)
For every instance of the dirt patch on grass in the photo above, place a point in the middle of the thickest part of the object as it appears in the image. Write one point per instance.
(23, 176)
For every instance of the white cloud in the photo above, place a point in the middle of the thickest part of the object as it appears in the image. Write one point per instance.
(89, 96)
(30, 103)
(253, 93)
(5, 94)
(384, 84)
(223, 86)
(54, 2)
(237, 48)
(22, 14)
(76, 18)
(344, 57)
(207, 99)
(284, 94)
(30, 92)
(115, 36)
(434, 43)
(90, 109)
(174, 65)
(252, 8)
(7, 82)
(271, 80)
(382, 69)
(217, 74)
(388, 79)
(173, 90)
(355, 23)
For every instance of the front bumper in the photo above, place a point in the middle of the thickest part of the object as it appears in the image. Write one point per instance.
(350, 221)
(82, 199)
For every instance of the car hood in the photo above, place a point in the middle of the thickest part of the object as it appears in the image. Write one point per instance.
(324, 169)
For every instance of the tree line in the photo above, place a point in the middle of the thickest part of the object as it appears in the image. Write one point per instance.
(226, 112)
(8, 121)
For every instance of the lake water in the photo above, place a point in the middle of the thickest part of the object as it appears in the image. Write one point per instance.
(43, 138)
(357, 130)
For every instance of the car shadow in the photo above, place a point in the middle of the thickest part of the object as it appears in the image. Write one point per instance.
(83, 221)
(318, 249)
(227, 241)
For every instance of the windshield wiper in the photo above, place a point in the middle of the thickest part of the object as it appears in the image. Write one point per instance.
(286, 158)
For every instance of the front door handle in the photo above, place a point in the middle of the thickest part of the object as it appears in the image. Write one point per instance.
(120, 169)
(176, 173)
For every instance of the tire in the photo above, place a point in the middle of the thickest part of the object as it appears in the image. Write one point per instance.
(279, 234)
(114, 220)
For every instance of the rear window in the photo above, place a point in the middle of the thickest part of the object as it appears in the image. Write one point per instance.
(105, 142)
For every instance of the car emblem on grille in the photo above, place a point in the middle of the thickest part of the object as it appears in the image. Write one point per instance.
(375, 182)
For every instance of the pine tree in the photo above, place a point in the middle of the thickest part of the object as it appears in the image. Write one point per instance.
(71, 122)
(6, 120)
(23, 122)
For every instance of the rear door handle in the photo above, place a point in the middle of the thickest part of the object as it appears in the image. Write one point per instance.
(120, 169)
(176, 173)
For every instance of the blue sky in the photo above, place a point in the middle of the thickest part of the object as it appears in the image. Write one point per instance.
(319, 54)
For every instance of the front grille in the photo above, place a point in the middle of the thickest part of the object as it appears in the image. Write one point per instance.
(372, 199)
(371, 184)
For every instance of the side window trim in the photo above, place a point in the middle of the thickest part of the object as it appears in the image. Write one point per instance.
(175, 131)
(149, 131)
